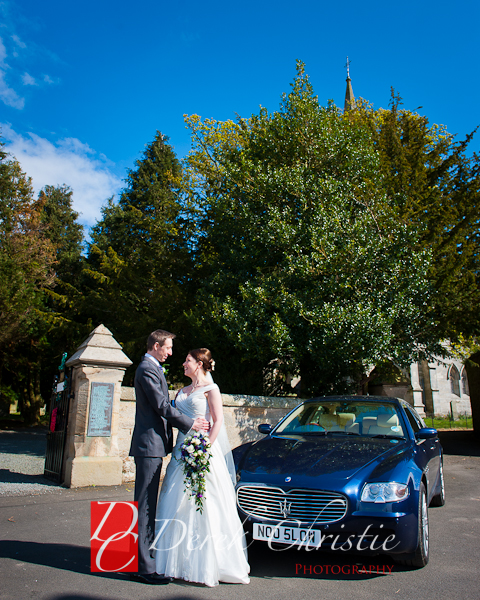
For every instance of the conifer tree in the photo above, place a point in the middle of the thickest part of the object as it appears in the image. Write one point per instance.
(139, 262)
(435, 186)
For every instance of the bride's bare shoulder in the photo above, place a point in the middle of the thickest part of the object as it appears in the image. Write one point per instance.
(212, 387)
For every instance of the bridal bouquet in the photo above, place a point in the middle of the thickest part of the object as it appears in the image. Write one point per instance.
(195, 456)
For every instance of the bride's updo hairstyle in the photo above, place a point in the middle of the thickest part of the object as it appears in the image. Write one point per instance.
(204, 356)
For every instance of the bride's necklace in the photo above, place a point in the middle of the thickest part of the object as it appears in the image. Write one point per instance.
(196, 384)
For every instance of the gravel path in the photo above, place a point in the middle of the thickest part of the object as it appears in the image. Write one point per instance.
(22, 459)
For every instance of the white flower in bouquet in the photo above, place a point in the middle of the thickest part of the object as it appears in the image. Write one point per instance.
(195, 456)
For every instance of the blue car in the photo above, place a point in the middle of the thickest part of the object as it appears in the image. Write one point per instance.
(346, 474)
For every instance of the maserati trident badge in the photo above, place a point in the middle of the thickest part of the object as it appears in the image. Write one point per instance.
(285, 509)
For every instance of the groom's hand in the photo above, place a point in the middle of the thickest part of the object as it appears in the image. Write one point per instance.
(201, 424)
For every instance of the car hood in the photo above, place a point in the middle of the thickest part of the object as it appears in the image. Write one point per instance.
(317, 456)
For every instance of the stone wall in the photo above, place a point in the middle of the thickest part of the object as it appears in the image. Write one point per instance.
(242, 416)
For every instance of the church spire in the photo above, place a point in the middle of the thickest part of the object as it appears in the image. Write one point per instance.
(349, 97)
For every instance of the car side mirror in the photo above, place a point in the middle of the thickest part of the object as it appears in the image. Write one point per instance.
(265, 428)
(426, 433)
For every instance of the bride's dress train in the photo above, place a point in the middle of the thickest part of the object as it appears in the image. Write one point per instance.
(205, 547)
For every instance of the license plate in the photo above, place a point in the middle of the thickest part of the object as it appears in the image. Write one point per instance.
(281, 534)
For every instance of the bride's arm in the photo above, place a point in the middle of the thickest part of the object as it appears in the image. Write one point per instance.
(214, 399)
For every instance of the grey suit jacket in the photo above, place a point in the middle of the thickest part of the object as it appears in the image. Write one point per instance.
(155, 416)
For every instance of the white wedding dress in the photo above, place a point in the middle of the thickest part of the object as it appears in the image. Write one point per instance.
(205, 547)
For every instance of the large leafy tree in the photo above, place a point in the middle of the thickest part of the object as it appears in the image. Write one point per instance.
(139, 262)
(305, 265)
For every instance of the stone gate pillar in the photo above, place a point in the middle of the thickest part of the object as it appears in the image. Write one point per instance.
(91, 448)
(417, 389)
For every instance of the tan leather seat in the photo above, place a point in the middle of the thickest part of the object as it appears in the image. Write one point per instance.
(346, 419)
(328, 421)
(367, 422)
(384, 425)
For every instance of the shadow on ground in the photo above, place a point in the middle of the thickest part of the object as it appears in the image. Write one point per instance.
(31, 442)
(460, 443)
(66, 557)
(7, 476)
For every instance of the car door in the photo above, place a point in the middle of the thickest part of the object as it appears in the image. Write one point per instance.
(428, 450)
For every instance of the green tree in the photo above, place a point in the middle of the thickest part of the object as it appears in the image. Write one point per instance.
(434, 185)
(64, 325)
(64, 231)
(305, 265)
(139, 262)
(26, 256)
(26, 261)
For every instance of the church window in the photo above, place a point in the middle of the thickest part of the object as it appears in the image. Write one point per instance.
(455, 380)
(465, 388)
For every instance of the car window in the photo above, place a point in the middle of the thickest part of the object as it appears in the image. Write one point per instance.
(348, 417)
(412, 419)
(417, 417)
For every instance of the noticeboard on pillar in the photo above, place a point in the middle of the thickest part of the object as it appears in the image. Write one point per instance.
(100, 412)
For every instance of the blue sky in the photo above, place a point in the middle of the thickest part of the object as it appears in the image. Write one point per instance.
(84, 85)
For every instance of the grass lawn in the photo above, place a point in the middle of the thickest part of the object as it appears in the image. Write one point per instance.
(446, 422)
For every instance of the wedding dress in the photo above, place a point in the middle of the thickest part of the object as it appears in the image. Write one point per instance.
(205, 547)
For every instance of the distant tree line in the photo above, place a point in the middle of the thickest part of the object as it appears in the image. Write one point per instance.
(305, 243)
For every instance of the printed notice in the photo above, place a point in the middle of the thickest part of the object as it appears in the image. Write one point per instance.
(100, 413)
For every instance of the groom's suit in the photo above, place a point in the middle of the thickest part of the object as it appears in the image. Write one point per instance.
(152, 439)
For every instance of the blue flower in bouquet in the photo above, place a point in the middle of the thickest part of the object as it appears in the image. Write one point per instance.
(195, 456)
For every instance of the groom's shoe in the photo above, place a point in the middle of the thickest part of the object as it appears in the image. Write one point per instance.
(150, 578)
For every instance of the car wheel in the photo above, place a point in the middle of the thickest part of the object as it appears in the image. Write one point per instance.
(439, 499)
(420, 557)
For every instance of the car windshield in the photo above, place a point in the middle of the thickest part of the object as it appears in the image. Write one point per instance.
(373, 419)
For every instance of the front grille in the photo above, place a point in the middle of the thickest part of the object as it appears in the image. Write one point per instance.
(306, 506)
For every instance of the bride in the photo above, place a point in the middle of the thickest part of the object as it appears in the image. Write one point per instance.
(209, 546)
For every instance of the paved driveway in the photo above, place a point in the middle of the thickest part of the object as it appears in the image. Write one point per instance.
(44, 550)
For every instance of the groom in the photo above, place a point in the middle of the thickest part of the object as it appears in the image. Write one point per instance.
(152, 439)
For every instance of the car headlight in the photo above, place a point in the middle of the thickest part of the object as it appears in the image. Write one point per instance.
(385, 492)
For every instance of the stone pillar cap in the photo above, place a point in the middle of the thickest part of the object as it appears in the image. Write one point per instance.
(100, 348)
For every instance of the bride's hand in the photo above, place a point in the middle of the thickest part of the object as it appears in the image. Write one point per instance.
(201, 424)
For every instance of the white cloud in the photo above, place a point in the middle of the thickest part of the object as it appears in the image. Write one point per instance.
(3, 53)
(68, 161)
(18, 41)
(8, 95)
(28, 79)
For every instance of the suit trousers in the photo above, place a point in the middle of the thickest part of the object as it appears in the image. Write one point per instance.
(147, 481)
